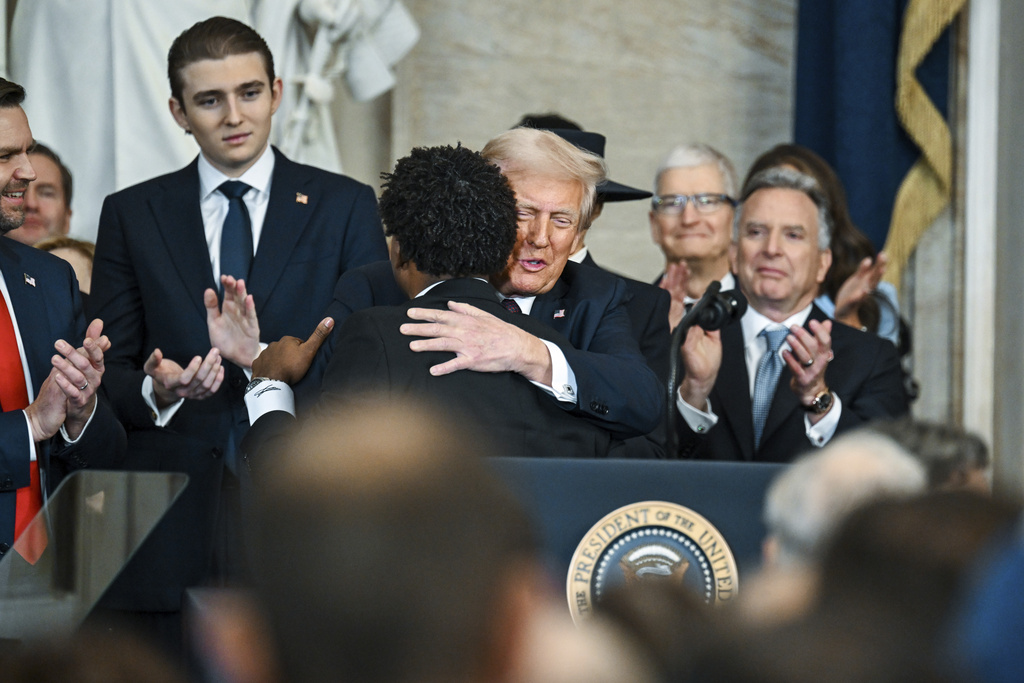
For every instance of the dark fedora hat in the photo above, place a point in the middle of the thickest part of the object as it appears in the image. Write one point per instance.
(609, 190)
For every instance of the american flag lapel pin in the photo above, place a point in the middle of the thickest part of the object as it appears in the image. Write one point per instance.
(29, 280)
(560, 313)
(301, 198)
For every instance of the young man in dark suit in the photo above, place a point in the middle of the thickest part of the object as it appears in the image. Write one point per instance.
(786, 378)
(50, 419)
(451, 217)
(272, 234)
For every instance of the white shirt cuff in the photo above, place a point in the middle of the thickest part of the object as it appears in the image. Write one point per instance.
(248, 371)
(268, 396)
(563, 379)
(64, 433)
(699, 421)
(161, 416)
(31, 443)
(821, 433)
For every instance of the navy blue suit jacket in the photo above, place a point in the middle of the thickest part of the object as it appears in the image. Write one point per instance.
(151, 269)
(648, 315)
(588, 307)
(865, 374)
(44, 295)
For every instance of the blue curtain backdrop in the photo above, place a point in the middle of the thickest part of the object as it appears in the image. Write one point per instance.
(845, 99)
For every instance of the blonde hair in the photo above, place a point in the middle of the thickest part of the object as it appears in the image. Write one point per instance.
(529, 150)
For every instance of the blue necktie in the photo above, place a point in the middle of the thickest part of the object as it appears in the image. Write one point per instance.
(767, 377)
(236, 235)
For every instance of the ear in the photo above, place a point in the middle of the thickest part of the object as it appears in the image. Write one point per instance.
(825, 262)
(178, 112)
(277, 92)
(395, 254)
(577, 241)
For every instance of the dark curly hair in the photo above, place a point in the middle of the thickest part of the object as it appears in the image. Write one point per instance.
(453, 212)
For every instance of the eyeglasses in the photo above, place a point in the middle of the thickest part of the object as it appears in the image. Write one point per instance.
(705, 202)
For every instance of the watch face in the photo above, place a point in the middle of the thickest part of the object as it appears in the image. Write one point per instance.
(821, 403)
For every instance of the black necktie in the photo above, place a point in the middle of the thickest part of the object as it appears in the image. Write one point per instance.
(236, 235)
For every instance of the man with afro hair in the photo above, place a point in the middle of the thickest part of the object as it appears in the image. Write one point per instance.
(451, 217)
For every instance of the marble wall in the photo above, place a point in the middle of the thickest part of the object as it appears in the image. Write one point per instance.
(647, 75)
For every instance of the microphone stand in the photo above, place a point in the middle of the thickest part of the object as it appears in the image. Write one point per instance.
(678, 335)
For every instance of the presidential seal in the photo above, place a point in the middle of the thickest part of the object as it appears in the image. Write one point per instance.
(651, 541)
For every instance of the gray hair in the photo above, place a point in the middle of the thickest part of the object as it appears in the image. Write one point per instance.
(781, 177)
(944, 449)
(698, 154)
(807, 503)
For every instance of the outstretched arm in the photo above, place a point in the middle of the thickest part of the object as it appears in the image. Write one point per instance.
(289, 358)
(480, 342)
(859, 287)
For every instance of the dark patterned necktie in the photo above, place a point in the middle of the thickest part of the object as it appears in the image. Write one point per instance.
(236, 235)
(511, 306)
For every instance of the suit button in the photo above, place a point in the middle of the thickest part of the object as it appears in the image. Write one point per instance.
(7, 484)
(216, 452)
(4, 548)
(599, 408)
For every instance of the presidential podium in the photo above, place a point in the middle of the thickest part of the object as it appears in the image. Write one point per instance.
(566, 498)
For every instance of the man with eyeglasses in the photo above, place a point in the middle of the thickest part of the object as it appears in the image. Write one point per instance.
(784, 378)
(691, 220)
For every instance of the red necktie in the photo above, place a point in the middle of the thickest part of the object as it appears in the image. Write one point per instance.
(14, 396)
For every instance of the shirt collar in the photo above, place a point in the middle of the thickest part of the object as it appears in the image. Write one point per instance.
(579, 255)
(435, 284)
(753, 322)
(258, 175)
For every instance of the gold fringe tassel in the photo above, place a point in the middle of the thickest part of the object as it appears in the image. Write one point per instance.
(925, 190)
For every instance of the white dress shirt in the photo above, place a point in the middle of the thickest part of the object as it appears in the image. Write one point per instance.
(754, 348)
(214, 207)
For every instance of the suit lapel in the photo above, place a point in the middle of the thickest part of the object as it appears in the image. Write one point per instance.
(179, 221)
(291, 205)
(29, 304)
(736, 404)
(554, 310)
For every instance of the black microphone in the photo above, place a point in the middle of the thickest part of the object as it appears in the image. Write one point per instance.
(715, 310)
(720, 309)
